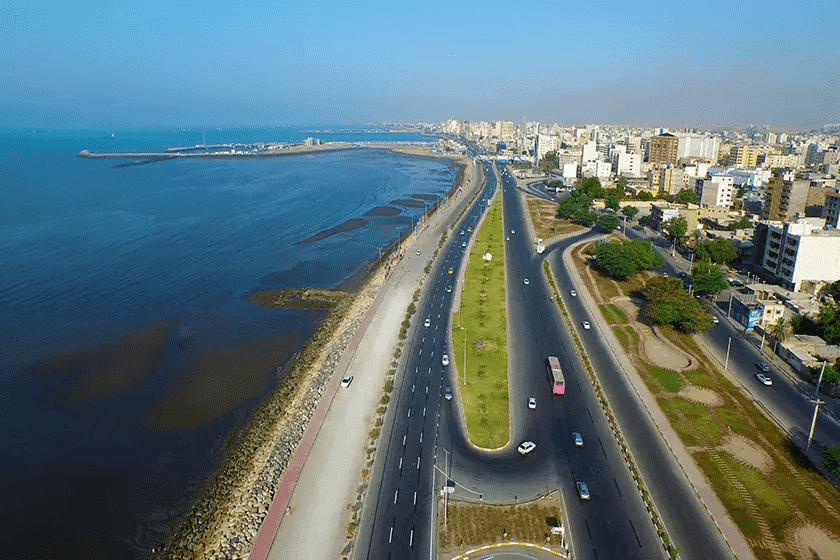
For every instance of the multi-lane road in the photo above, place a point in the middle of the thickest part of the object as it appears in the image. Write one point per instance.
(427, 436)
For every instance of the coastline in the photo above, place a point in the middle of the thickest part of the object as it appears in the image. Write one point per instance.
(228, 515)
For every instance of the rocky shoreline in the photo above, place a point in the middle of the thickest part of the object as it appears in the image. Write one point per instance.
(227, 519)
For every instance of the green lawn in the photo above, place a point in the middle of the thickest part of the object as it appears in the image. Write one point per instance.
(669, 378)
(479, 334)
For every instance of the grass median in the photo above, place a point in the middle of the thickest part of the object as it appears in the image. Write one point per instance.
(479, 337)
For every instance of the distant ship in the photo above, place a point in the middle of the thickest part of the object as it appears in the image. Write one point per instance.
(108, 136)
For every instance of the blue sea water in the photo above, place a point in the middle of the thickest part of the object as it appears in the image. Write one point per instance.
(129, 355)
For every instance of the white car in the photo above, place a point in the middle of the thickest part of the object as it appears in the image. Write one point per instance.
(428, 323)
(347, 381)
(512, 231)
(445, 360)
(449, 289)
(572, 293)
(419, 252)
(764, 378)
(526, 282)
(532, 403)
(586, 325)
(715, 320)
(526, 447)
(463, 244)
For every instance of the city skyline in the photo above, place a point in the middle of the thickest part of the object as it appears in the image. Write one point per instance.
(695, 64)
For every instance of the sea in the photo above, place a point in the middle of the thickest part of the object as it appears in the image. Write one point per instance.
(130, 356)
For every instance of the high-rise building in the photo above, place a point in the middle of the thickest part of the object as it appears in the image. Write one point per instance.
(698, 146)
(715, 191)
(671, 180)
(545, 144)
(801, 251)
(743, 156)
(627, 164)
(785, 199)
(664, 149)
(589, 152)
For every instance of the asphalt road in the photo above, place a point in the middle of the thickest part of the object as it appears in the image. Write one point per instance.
(404, 515)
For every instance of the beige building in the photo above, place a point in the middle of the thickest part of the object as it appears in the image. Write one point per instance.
(671, 180)
(664, 212)
(785, 200)
(745, 157)
(664, 149)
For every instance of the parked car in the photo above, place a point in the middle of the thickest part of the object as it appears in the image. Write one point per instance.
(345, 382)
(583, 491)
(526, 447)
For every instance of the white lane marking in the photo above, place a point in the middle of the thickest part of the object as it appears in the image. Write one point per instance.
(421, 353)
(409, 413)
(404, 435)
(421, 437)
(424, 412)
(400, 467)
(418, 463)
(411, 539)
(412, 387)
(427, 389)
(391, 534)
(396, 493)
(430, 371)
(415, 497)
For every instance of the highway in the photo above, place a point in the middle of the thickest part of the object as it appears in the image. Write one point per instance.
(404, 512)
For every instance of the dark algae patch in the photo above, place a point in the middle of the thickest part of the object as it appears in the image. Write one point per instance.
(386, 211)
(297, 298)
(351, 224)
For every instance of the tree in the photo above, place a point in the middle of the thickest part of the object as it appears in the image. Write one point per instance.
(645, 195)
(585, 218)
(608, 221)
(831, 375)
(779, 331)
(829, 323)
(743, 223)
(591, 186)
(630, 211)
(832, 460)
(708, 278)
(717, 250)
(643, 256)
(676, 227)
(644, 221)
(835, 291)
(576, 202)
(670, 304)
(614, 259)
(612, 202)
(686, 196)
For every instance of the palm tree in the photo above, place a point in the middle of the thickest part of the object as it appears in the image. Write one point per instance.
(780, 331)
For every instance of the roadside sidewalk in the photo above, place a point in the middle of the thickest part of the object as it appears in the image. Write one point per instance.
(698, 482)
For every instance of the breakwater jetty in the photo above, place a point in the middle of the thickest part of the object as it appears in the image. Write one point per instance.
(221, 151)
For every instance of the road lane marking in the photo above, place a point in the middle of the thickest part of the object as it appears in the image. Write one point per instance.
(424, 412)
(421, 437)
(391, 534)
(400, 467)
(415, 498)
(418, 462)
(411, 539)
(404, 435)
(412, 387)
(396, 493)
(409, 413)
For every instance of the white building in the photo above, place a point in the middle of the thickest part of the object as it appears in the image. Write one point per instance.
(544, 144)
(589, 152)
(831, 210)
(627, 164)
(697, 146)
(569, 171)
(802, 251)
(715, 190)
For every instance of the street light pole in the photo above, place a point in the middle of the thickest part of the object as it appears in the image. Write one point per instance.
(465, 356)
(817, 403)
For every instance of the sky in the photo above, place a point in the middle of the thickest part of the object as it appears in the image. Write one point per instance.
(130, 63)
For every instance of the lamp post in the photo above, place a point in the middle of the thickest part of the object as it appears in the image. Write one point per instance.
(728, 346)
(465, 356)
(817, 403)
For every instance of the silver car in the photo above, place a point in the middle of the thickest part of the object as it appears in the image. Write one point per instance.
(582, 490)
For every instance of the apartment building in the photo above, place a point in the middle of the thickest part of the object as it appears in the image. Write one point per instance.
(671, 180)
(745, 157)
(785, 199)
(664, 149)
(661, 213)
(627, 164)
(802, 251)
(699, 146)
(544, 144)
(715, 191)
(831, 210)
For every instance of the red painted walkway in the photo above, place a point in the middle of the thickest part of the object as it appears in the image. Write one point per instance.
(272, 520)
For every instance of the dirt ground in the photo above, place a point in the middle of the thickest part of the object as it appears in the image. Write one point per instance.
(700, 395)
(747, 452)
(546, 225)
(816, 544)
(469, 526)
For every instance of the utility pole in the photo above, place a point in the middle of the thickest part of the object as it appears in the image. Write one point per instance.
(465, 356)
(817, 403)
(729, 307)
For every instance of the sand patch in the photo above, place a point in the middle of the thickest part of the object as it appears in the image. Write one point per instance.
(659, 353)
(749, 453)
(814, 542)
(700, 395)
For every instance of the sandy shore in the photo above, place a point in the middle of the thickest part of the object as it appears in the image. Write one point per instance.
(227, 518)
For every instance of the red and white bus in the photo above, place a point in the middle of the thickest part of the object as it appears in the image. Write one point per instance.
(557, 378)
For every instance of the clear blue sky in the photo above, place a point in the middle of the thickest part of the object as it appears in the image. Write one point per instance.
(126, 63)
